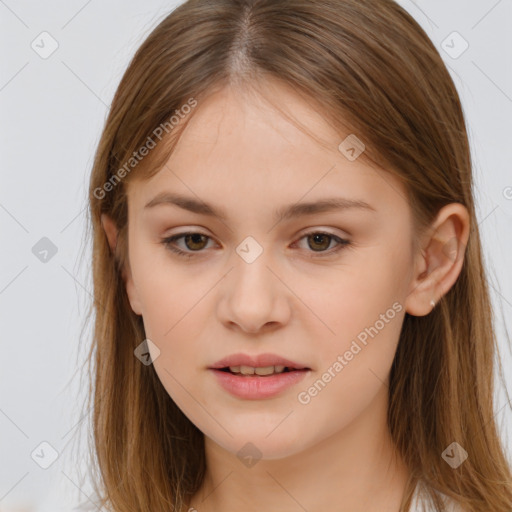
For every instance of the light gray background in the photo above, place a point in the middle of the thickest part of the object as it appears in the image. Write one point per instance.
(52, 112)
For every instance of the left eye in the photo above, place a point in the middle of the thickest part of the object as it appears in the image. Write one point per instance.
(195, 242)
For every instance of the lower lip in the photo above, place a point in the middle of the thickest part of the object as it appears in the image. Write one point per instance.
(257, 387)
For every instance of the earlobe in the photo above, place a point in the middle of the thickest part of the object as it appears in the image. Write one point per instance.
(440, 262)
(112, 235)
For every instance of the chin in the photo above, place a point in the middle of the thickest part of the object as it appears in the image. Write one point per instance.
(255, 443)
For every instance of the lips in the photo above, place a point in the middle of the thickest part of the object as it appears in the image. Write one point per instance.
(257, 361)
(253, 387)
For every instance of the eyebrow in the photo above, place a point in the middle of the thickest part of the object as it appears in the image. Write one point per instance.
(284, 213)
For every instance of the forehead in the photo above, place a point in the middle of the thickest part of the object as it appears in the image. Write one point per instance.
(241, 152)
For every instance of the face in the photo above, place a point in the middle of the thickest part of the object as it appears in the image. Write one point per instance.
(322, 288)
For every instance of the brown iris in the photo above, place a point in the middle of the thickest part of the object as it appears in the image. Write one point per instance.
(196, 238)
(318, 237)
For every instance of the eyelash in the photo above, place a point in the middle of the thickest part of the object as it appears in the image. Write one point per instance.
(168, 244)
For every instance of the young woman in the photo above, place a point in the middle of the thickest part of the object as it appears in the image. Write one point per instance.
(291, 308)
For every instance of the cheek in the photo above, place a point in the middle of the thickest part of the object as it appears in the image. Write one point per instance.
(175, 323)
(166, 291)
(367, 291)
(362, 309)
(172, 308)
(356, 361)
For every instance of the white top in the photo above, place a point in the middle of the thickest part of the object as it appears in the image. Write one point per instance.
(426, 506)
(416, 504)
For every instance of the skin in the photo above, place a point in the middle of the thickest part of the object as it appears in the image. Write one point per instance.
(241, 155)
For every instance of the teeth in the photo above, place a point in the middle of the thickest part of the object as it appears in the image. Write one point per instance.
(249, 370)
(246, 370)
(266, 370)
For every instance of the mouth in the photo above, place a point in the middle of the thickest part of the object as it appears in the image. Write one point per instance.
(260, 382)
(257, 377)
(261, 364)
(266, 371)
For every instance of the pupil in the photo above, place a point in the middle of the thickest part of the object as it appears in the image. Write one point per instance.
(321, 236)
(196, 238)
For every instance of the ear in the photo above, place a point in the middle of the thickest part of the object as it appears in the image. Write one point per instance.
(111, 231)
(440, 259)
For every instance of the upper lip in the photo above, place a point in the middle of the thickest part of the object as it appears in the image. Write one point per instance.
(260, 360)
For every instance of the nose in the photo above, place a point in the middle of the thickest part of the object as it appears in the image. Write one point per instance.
(254, 298)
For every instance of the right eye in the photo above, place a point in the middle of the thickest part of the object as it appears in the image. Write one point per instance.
(191, 238)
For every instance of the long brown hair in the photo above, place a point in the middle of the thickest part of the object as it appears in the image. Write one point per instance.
(374, 72)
